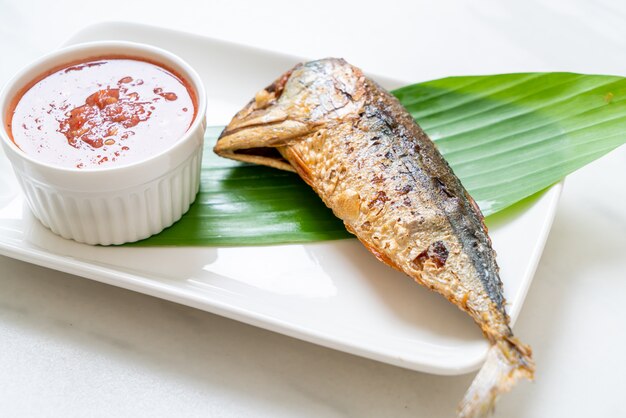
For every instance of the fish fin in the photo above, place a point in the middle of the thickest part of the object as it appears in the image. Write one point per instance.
(508, 360)
(382, 257)
(297, 164)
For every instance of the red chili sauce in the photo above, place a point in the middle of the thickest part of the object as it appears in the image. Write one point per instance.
(102, 113)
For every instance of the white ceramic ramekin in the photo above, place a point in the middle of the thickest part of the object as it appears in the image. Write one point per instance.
(111, 205)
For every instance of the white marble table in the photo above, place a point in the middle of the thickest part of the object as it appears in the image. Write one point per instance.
(73, 347)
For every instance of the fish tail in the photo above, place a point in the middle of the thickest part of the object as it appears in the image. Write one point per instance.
(508, 360)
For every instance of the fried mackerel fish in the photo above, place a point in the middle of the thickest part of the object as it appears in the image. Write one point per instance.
(363, 154)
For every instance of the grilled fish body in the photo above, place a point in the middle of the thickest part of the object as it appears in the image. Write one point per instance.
(379, 172)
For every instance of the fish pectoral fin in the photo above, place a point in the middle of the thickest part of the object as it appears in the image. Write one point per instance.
(258, 143)
(508, 360)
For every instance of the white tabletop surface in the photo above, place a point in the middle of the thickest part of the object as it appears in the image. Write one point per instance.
(72, 347)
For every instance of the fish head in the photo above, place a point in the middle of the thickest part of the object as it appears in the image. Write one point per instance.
(301, 101)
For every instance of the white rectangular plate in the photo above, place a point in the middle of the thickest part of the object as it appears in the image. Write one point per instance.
(332, 293)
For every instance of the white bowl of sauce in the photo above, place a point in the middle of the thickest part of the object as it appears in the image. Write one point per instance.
(106, 139)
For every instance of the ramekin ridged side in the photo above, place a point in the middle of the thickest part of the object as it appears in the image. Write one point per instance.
(112, 205)
(115, 218)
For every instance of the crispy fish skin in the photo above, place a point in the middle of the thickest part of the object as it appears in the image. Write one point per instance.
(361, 151)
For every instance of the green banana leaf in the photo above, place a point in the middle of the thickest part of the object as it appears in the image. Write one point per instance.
(505, 136)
